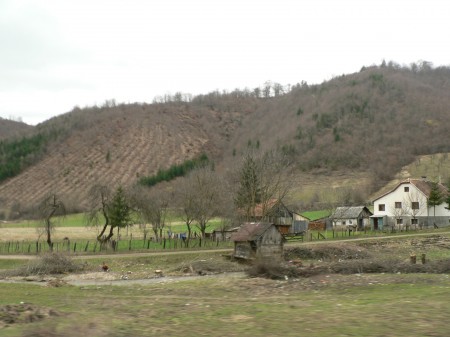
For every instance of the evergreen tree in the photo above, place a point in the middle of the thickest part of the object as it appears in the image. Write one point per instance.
(108, 209)
(249, 190)
(435, 199)
(447, 197)
(119, 211)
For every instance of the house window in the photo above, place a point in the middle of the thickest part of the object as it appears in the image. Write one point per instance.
(343, 222)
(399, 221)
(381, 207)
(415, 205)
(406, 189)
(398, 204)
(414, 221)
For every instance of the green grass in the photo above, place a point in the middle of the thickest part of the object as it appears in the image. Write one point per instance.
(11, 263)
(78, 220)
(379, 305)
(323, 305)
(315, 215)
(123, 246)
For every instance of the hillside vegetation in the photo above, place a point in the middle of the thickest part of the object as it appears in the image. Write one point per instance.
(12, 129)
(364, 126)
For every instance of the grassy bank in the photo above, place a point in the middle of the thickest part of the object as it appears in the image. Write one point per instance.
(375, 305)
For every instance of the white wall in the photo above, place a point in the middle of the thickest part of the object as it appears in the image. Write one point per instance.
(406, 212)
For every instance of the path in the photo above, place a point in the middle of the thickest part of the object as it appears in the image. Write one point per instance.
(160, 253)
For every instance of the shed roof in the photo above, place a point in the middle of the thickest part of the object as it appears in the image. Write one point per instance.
(351, 212)
(251, 231)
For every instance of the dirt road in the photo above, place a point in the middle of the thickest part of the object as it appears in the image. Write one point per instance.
(289, 244)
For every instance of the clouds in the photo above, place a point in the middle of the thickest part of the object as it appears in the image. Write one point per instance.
(66, 53)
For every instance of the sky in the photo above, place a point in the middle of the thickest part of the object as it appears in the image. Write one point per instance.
(55, 55)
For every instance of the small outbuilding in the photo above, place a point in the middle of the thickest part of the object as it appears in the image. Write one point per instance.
(258, 239)
(356, 217)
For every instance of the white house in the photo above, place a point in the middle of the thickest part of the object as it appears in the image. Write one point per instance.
(407, 206)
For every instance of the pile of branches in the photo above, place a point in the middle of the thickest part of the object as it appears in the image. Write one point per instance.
(48, 264)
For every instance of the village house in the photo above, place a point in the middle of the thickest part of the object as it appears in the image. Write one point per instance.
(258, 239)
(406, 206)
(355, 217)
(276, 212)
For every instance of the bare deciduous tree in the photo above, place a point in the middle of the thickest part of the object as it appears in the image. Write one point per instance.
(415, 204)
(185, 196)
(108, 209)
(207, 186)
(48, 209)
(262, 180)
(398, 210)
(152, 205)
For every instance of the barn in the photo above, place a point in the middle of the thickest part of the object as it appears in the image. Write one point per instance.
(258, 239)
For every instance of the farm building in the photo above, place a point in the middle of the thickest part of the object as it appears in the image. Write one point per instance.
(357, 217)
(407, 205)
(276, 212)
(256, 239)
(223, 234)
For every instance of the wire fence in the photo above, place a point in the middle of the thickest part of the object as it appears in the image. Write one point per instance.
(122, 245)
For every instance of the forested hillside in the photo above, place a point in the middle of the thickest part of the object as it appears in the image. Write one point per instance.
(376, 121)
(11, 129)
(370, 123)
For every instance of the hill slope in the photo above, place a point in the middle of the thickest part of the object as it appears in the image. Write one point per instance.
(366, 125)
(11, 129)
(116, 146)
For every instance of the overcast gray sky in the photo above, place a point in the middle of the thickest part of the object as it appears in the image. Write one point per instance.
(58, 54)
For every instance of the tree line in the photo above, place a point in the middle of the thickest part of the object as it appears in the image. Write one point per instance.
(18, 154)
(259, 182)
(174, 171)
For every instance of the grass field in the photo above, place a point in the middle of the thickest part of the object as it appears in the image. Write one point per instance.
(365, 305)
(174, 223)
(327, 304)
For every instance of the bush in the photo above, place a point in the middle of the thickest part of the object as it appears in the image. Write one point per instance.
(272, 269)
(51, 263)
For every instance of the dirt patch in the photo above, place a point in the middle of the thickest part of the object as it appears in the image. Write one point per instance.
(24, 313)
(328, 252)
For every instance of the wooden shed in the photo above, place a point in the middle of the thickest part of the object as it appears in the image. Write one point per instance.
(256, 239)
(356, 217)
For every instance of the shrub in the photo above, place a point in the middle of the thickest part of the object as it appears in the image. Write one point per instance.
(272, 269)
(52, 263)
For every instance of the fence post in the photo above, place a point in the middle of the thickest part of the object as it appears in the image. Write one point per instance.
(86, 247)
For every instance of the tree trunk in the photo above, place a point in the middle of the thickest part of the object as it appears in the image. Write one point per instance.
(155, 230)
(99, 237)
(49, 238)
